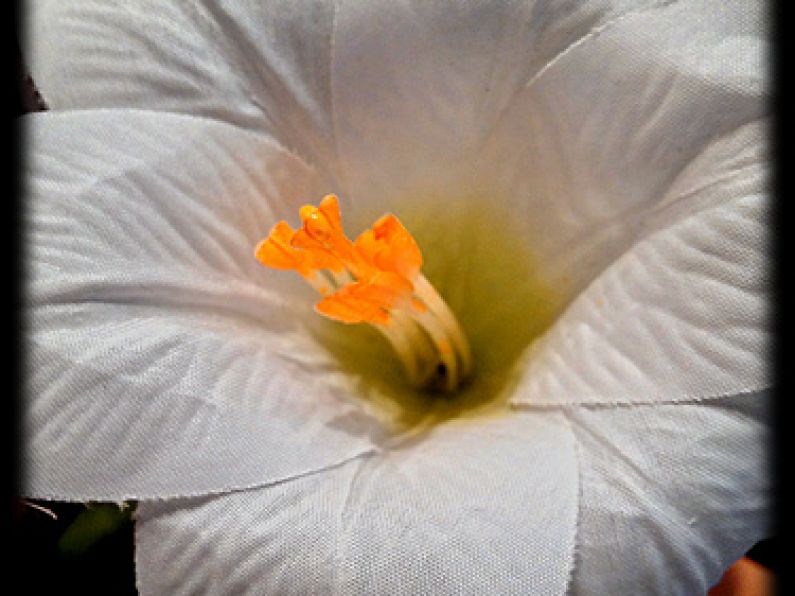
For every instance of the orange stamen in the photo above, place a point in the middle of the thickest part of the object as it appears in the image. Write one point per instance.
(367, 302)
(390, 247)
(353, 304)
(322, 232)
(376, 280)
(277, 251)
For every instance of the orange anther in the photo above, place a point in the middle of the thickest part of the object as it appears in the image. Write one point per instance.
(277, 251)
(322, 232)
(330, 207)
(323, 224)
(383, 261)
(375, 280)
(390, 247)
(367, 301)
(355, 303)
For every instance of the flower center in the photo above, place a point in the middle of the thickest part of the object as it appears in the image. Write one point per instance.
(376, 280)
(478, 256)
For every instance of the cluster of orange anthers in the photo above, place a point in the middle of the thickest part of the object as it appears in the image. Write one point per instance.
(375, 279)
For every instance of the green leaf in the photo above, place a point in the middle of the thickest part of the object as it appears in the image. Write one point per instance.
(95, 522)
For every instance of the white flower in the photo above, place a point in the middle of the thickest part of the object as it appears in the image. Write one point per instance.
(619, 144)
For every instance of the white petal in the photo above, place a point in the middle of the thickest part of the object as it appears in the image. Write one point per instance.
(683, 313)
(474, 508)
(573, 122)
(261, 66)
(671, 495)
(164, 360)
(417, 87)
(593, 143)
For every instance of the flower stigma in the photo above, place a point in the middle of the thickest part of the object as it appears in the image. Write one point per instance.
(376, 280)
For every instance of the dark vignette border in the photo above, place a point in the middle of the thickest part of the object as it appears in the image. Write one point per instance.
(31, 537)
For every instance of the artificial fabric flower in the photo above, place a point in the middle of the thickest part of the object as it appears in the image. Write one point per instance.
(586, 182)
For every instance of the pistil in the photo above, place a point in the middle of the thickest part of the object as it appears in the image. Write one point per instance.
(375, 280)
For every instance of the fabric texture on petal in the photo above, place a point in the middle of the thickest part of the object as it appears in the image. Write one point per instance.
(671, 495)
(418, 86)
(164, 360)
(259, 66)
(625, 138)
(572, 118)
(682, 314)
(469, 509)
(593, 144)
